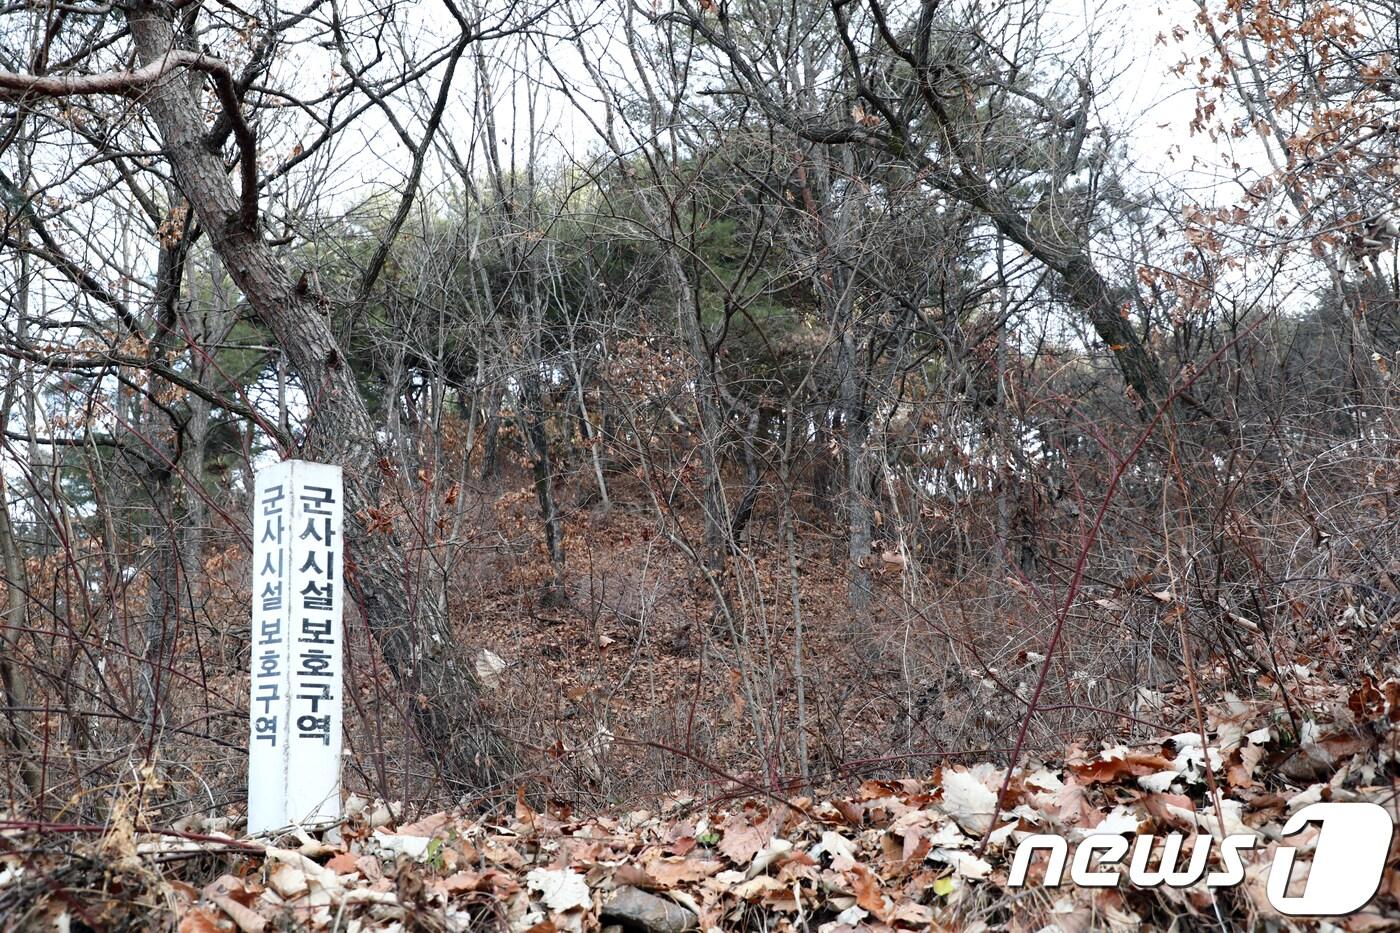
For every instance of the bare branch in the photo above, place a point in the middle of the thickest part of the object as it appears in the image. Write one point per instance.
(133, 83)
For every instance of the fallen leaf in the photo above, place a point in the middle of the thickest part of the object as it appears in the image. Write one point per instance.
(841, 850)
(768, 855)
(196, 920)
(413, 846)
(247, 920)
(911, 914)
(428, 826)
(1366, 702)
(755, 888)
(968, 801)
(289, 882)
(741, 840)
(667, 872)
(489, 667)
(461, 882)
(343, 863)
(562, 890)
(964, 863)
(1117, 764)
(1117, 821)
(867, 888)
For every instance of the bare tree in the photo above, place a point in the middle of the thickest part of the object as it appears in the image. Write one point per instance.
(167, 84)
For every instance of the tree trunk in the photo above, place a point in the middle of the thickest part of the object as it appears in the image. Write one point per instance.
(490, 445)
(858, 475)
(533, 414)
(417, 646)
(586, 429)
(155, 453)
(744, 512)
(13, 680)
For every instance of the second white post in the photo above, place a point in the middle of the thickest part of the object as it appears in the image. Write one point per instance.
(296, 710)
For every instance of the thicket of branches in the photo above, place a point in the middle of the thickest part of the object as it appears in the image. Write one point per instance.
(839, 353)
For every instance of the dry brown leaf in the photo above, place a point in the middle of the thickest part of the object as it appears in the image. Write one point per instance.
(503, 854)
(247, 920)
(1130, 765)
(343, 863)
(669, 872)
(869, 897)
(369, 867)
(762, 886)
(799, 866)
(230, 885)
(428, 826)
(1241, 765)
(911, 914)
(741, 840)
(288, 881)
(631, 875)
(838, 848)
(524, 813)
(196, 920)
(461, 882)
(875, 790)
(1168, 810)
(852, 812)
(916, 846)
(1343, 745)
(1366, 702)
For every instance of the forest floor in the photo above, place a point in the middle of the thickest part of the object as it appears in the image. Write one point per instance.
(665, 793)
(933, 852)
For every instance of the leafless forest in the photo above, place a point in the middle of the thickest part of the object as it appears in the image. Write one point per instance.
(735, 397)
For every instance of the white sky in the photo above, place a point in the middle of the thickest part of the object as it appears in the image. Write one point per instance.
(1141, 96)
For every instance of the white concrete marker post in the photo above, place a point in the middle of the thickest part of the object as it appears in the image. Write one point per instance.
(295, 713)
